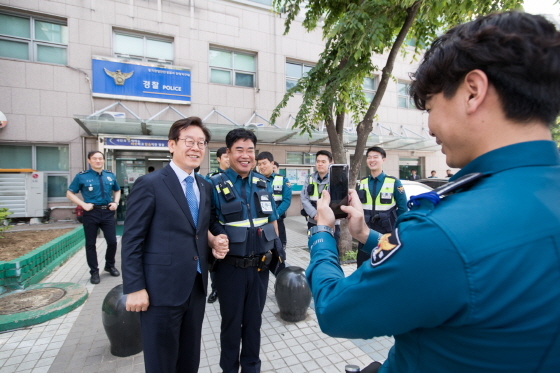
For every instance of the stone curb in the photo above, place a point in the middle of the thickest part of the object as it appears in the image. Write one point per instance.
(75, 296)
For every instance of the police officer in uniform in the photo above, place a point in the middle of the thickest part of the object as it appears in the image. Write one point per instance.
(245, 208)
(223, 165)
(97, 186)
(468, 280)
(381, 211)
(223, 162)
(281, 188)
(313, 186)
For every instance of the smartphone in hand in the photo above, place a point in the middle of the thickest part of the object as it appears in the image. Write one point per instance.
(338, 188)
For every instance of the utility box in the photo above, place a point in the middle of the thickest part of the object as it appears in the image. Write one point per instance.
(24, 193)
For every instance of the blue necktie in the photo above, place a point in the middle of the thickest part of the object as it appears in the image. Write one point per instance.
(193, 206)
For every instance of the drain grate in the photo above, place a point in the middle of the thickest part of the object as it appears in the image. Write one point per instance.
(29, 300)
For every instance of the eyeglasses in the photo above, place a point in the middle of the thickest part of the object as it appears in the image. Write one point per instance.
(189, 143)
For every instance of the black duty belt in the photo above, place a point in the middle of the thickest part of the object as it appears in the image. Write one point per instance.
(242, 262)
(102, 207)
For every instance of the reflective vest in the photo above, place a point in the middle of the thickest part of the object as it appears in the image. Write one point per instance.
(314, 194)
(382, 217)
(278, 188)
(246, 223)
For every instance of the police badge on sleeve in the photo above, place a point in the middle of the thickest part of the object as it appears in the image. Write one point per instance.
(388, 244)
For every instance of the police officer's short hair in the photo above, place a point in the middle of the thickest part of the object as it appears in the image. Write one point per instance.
(181, 124)
(265, 155)
(276, 164)
(240, 134)
(324, 152)
(221, 151)
(378, 150)
(91, 153)
(519, 53)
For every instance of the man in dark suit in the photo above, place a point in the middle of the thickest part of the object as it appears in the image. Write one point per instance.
(414, 176)
(165, 252)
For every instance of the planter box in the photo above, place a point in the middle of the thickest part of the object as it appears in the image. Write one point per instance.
(34, 266)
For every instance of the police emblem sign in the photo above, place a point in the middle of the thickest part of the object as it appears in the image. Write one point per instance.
(139, 81)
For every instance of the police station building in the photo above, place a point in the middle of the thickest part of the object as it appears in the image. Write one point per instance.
(113, 75)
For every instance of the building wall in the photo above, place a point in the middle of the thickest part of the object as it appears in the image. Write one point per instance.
(41, 100)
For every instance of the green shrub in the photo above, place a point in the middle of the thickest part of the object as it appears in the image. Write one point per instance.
(4, 212)
(349, 256)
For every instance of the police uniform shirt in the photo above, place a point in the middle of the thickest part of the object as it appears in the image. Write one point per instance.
(286, 194)
(468, 285)
(398, 192)
(237, 181)
(95, 187)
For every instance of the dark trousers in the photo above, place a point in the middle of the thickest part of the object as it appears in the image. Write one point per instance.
(336, 231)
(212, 278)
(282, 232)
(242, 298)
(92, 221)
(171, 335)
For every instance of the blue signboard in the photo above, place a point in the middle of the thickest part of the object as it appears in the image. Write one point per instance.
(140, 81)
(146, 143)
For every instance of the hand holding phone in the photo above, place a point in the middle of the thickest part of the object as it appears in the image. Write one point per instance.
(338, 188)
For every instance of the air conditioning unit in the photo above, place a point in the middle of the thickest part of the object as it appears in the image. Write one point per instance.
(24, 194)
(113, 115)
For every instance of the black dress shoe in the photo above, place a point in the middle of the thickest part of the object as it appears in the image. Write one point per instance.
(113, 271)
(95, 278)
(213, 296)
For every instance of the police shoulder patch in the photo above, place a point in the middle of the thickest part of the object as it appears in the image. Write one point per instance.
(388, 244)
(400, 189)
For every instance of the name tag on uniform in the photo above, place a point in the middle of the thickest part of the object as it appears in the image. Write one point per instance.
(266, 205)
(386, 195)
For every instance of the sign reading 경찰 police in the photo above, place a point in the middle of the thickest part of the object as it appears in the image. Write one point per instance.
(139, 81)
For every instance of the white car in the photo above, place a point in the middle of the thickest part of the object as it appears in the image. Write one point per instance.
(413, 188)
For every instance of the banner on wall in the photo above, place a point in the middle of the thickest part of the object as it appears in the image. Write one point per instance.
(139, 81)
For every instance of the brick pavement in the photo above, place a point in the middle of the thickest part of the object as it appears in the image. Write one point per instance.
(76, 342)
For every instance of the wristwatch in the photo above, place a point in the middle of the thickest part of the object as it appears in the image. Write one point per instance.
(320, 228)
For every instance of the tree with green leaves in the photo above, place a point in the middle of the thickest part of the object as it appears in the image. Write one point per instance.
(354, 31)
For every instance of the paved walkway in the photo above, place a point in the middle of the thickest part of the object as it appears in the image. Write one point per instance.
(77, 343)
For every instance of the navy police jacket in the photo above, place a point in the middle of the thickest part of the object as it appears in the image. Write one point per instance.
(469, 284)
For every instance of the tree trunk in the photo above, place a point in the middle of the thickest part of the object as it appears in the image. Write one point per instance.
(365, 127)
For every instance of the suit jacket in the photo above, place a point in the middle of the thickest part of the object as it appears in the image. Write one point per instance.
(160, 244)
(414, 177)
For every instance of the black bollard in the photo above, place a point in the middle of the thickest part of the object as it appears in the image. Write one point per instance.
(292, 294)
(122, 327)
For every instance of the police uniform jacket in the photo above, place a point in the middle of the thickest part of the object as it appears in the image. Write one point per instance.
(469, 284)
(96, 187)
(244, 221)
(282, 197)
(210, 174)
